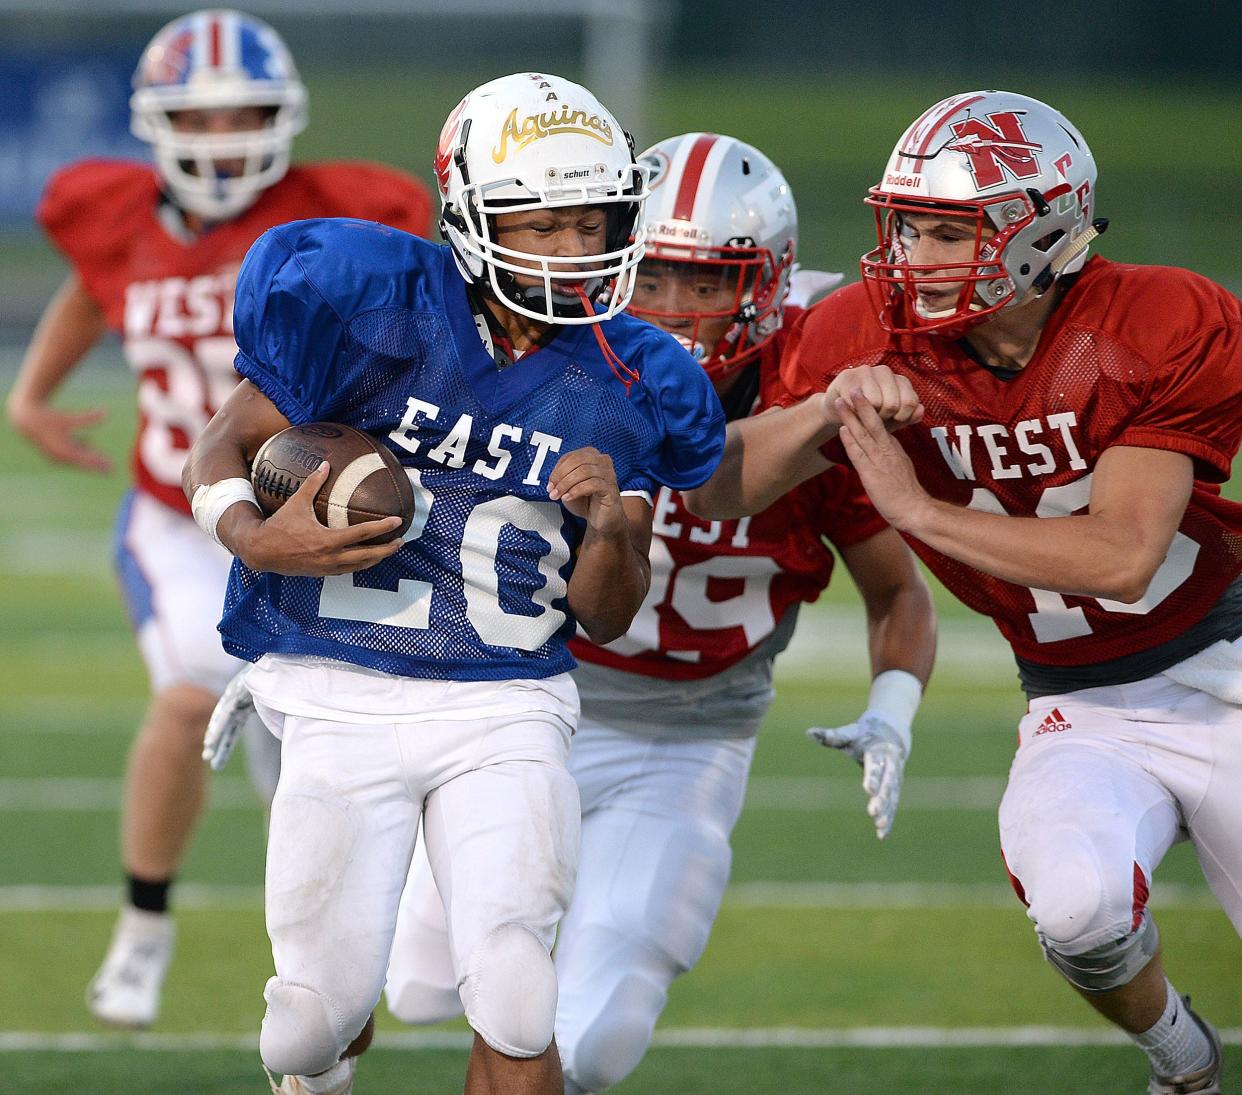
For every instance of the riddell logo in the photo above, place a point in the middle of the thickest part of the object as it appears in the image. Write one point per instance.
(1054, 723)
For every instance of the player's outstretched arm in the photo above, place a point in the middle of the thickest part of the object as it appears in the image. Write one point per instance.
(1112, 551)
(768, 455)
(292, 541)
(612, 571)
(901, 634)
(70, 325)
(764, 457)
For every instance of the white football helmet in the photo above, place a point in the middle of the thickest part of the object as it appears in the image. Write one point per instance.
(533, 141)
(1024, 176)
(722, 206)
(209, 60)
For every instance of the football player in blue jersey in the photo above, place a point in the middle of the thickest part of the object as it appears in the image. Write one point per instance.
(425, 680)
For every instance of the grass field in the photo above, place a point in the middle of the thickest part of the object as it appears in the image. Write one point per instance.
(838, 964)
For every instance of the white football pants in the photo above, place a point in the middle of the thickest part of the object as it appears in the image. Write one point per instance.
(1104, 782)
(657, 815)
(500, 816)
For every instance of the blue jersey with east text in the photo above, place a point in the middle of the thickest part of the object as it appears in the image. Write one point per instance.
(350, 321)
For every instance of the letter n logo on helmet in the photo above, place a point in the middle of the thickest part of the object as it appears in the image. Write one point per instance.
(995, 147)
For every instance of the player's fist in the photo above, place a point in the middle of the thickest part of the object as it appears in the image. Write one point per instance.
(891, 394)
(585, 483)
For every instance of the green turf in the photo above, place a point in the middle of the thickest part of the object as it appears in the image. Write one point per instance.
(1030, 1071)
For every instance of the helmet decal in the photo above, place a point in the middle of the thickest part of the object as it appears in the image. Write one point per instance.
(535, 127)
(444, 147)
(997, 149)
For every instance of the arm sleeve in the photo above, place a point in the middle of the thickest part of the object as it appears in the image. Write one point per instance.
(693, 421)
(289, 336)
(1193, 404)
(86, 211)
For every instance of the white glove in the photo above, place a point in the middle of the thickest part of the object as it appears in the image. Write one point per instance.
(881, 749)
(224, 727)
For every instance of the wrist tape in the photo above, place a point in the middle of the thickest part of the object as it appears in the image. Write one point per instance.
(210, 502)
(895, 697)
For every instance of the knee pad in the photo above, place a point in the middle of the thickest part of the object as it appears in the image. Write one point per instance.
(303, 1031)
(1075, 901)
(1111, 965)
(509, 991)
(622, 945)
(611, 1045)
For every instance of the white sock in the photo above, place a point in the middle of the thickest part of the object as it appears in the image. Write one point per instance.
(336, 1080)
(1176, 1045)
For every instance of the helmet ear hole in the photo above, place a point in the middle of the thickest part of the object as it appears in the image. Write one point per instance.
(1046, 243)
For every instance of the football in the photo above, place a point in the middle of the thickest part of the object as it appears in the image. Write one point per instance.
(366, 480)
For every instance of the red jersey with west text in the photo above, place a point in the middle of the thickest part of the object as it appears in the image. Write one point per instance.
(719, 588)
(169, 294)
(1141, 356)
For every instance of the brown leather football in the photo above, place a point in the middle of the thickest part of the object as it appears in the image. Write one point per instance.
(366, 480)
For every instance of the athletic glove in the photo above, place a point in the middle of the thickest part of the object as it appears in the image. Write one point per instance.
(224, 727)
(880, 742)
(881, 749)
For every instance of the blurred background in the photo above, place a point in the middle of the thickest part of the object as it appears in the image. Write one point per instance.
(831, 947)
(824, 89)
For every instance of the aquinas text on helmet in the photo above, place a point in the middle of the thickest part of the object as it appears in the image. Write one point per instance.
(516, 135)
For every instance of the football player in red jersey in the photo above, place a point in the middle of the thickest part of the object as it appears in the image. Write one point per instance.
(154, 254)
(670, 710)
(1078, 418)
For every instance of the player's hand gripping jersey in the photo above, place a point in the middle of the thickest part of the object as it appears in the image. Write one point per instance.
(719, 589)
(1140, 356)
(353, 322)
(169, 296)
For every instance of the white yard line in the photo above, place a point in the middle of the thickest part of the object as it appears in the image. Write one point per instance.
(812, 794)
(670, 1038)
(831, 643)
(102, 793)
(740, 895)
(921, 895)
(836, 794)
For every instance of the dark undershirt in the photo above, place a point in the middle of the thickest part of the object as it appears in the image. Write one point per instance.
(739, 400)
(1223, 621)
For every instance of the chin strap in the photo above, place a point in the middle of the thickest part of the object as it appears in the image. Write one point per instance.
(629, 377)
